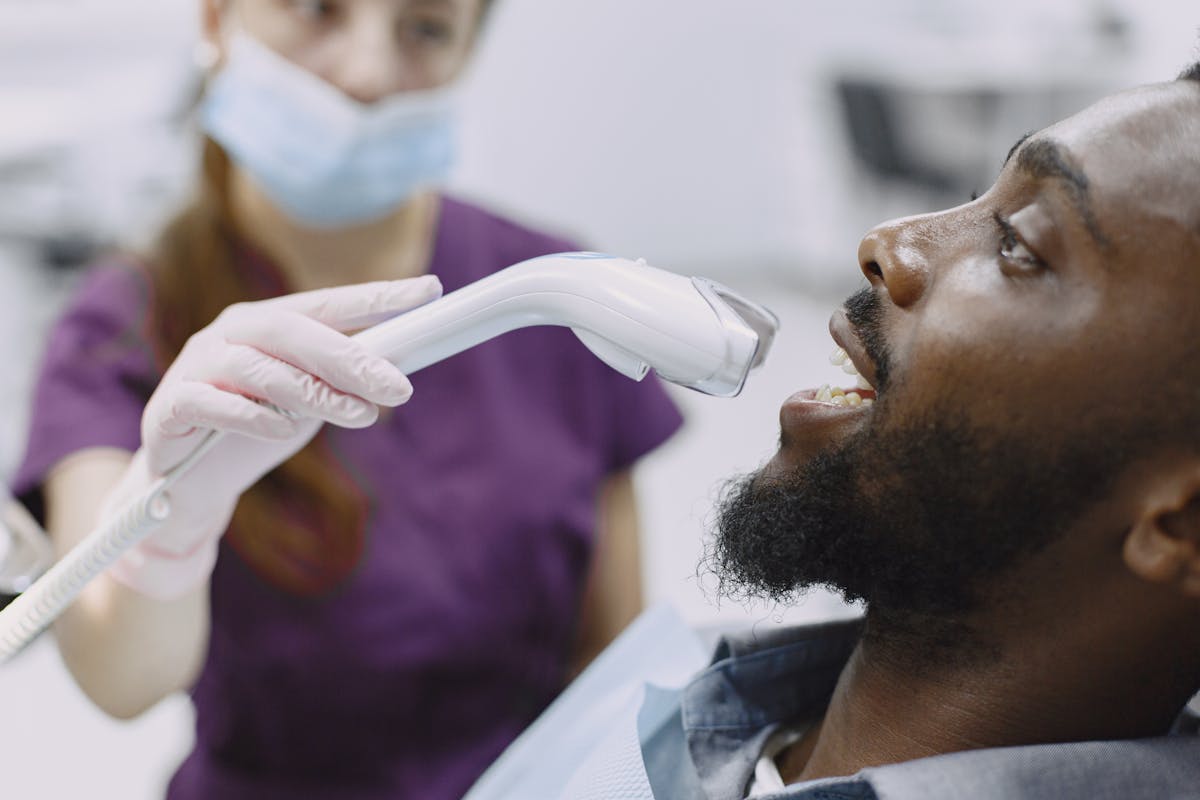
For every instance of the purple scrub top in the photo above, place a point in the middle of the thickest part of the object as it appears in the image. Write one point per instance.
(408, 679)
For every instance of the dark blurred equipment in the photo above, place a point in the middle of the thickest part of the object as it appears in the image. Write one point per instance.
(68, 251)
(869, 111)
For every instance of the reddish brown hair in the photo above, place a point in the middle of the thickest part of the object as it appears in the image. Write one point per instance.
(301, 527)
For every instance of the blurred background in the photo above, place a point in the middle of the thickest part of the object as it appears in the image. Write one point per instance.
(752, 142)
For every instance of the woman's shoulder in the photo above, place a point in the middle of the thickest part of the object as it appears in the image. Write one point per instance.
(96, 370)
(106, 320)
(116, 287)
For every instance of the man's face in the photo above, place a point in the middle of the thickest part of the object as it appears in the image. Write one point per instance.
(1025, 347)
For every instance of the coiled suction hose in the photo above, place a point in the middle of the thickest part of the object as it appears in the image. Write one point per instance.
(25, 617)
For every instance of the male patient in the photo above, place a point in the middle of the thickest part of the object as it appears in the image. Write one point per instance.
(1019, 508)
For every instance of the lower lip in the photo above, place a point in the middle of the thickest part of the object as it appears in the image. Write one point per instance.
(808, 425)
(803, 404)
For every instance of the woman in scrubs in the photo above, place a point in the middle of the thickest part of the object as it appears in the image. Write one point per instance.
(390, 606)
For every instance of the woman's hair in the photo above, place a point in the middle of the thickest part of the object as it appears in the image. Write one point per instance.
(302, 526)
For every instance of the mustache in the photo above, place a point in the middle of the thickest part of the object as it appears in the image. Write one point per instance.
(864, 309)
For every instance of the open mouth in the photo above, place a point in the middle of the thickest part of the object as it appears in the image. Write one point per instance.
(811, 419)
(861, 394)
(837, 398)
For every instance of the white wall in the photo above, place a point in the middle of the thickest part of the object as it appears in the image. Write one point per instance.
(703, 135)
(668, 129)
(86, 89)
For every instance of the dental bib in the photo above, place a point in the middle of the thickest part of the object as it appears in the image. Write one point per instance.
(588, 744)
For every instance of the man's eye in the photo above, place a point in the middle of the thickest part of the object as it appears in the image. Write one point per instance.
(1013, 250)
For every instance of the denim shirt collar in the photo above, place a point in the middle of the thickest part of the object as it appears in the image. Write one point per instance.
(756, 682)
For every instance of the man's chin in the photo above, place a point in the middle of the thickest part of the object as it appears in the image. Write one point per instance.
(810, 430)
(780, 533)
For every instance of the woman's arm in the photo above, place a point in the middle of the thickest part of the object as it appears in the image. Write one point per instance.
(126, 650)
(613, 593)
(140, 631)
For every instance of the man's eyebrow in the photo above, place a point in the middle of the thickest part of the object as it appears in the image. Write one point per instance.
(1015, 148)
(1046, 159)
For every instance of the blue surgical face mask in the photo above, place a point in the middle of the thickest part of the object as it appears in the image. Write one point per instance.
(326, 160)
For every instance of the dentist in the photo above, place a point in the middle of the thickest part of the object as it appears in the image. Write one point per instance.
(377, 613)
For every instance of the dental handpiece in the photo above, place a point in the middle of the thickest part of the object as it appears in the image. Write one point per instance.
(634, 317)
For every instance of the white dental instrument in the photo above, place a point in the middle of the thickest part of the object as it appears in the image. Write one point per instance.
(691, 331)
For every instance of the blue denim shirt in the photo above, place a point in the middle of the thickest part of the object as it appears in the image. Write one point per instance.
(724, 716)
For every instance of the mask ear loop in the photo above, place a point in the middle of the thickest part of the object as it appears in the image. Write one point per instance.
(206, 55)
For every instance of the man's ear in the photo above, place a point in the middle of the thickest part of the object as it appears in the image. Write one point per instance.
(1163, 545)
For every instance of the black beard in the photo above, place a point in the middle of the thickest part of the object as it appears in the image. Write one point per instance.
(916, 522)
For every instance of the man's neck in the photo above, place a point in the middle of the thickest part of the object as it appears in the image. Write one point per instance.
(879, 715)
(886, 710)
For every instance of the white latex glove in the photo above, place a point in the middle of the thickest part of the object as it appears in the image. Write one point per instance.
(288, 351)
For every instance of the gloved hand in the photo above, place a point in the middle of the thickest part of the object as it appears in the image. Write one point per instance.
(288, 351)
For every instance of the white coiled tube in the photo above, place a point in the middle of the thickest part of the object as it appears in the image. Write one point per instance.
(25, 617)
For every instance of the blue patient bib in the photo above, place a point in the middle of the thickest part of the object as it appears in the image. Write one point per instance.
(588, 743)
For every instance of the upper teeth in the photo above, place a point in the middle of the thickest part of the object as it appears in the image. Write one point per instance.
(839, 357)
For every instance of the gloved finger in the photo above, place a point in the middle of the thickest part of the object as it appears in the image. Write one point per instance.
(251, 372)
(322, 352)
(191, 405)
(347, 308)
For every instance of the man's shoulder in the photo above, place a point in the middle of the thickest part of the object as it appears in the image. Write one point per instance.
(1166, 766)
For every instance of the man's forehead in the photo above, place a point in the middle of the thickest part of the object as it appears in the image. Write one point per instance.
(1139, 151)
(1152, 111)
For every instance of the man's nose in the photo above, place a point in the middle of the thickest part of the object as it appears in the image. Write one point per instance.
(895, 255)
